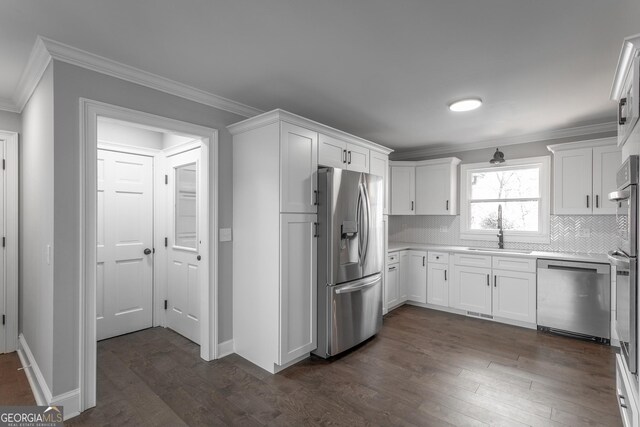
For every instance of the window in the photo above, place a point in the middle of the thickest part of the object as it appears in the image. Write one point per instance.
(520, 187)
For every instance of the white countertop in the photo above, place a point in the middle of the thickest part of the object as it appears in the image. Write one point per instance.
(569, 256)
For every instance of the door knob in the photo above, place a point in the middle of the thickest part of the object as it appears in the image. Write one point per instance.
(147, 251)
(198, 257)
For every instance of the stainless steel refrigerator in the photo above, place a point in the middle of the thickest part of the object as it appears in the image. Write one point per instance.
(350, 259)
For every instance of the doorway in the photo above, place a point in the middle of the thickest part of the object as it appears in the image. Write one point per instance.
(147, 256)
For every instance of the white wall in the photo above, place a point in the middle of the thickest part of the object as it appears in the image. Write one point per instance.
(36, 291)
(10, 121)
(122, 134)
(170, 140)
(70, 84)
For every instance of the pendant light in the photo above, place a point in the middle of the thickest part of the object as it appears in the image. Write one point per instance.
(498, 157)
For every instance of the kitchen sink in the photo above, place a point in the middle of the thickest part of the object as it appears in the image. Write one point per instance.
(505, 251)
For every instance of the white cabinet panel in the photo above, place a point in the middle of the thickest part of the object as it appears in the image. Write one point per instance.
(606, 161)
(471, 289)
(404, 274)
(573, 181)
(433, 190)
(357, 158)
(332, 152)
(438, 284)
(472, 260)
(514, 295)
(403, 190)
(379, 165)
(392, 286)
(416, 278)
(297, 286)
(298, 169)
(514, 264)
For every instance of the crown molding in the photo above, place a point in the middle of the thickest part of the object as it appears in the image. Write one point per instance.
(46, 49)
(8, 105)
(600, 142)
(574, 132)
(276, 115)
(36, 66)
(630, 49)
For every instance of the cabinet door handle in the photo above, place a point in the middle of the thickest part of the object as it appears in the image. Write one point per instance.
(412, 205)
(424, 258)
(349, 162)
(621, 120)
(623, 403)
(445, 275)
(344, 156)
(392, 268)
(315, 229)
(315, 195)
(447, 205)
(495, 281)
(597, 201)
(587, 200)
(488, 284)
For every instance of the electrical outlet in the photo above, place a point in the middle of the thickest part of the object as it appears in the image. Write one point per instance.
(584, 232)
(225, 234)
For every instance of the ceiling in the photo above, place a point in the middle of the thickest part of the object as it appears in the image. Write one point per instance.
(383, 70)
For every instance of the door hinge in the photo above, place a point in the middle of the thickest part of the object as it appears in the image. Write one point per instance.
(166, 304)
(4, 319)
(166, 242)
(166, 179)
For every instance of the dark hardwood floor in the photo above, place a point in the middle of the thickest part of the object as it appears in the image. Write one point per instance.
(424, 368)
(14, 386)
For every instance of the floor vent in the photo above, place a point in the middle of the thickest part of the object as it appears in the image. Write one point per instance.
(476, 314)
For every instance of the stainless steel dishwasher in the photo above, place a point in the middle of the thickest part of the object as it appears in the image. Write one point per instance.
(574, 298)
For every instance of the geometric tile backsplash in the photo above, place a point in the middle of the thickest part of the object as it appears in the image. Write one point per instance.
(565, 233)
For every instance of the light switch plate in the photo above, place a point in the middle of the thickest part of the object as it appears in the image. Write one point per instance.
(225, 234)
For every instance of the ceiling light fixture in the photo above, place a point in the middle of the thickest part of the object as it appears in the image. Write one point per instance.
(466, 104)
(498, 157)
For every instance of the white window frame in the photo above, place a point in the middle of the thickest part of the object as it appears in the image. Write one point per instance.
(542, 236)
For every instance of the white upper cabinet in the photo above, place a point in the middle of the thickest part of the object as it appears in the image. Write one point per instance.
(629, 101)
(572, 181)
(403, 190)
(437, 187)
(337, 153)
(428, 187)
(379, 165)
(298, 169)
(606, 161)
(583, 177)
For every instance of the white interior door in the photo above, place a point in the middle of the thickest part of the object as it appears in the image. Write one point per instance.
(3, 255)
(125, 237)
(184, 272)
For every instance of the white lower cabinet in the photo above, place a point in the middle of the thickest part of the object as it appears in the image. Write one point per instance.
(438, 284)
(514, 295)
(392, 286)
(506, 293)
(298, 292)
(416, 276)
(471, 289)
(403, 276)
(626, 394)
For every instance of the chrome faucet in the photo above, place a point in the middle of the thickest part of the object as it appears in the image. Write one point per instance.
(500, 233)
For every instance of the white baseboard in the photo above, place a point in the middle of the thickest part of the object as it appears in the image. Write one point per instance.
(225, 348)
(41, 392)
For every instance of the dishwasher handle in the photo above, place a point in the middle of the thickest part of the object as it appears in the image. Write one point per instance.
(577, 266)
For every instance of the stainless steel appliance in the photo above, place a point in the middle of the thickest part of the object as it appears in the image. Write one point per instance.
(625, 260)
(350, 259)
(574, 298)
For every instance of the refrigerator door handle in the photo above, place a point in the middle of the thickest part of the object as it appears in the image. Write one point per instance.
(359, 225)
(367, 205)
(361, 284)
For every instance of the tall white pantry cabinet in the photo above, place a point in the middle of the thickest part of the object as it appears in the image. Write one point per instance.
(275, 164)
